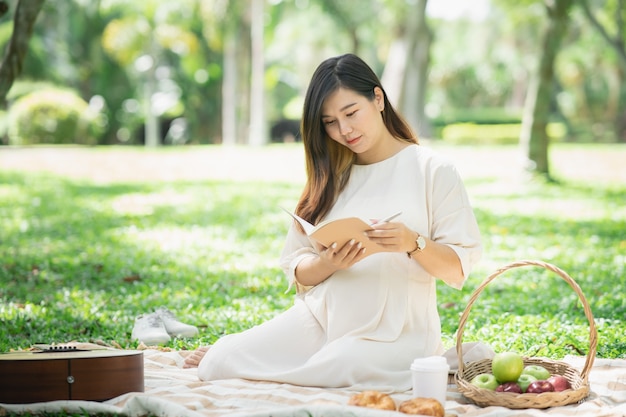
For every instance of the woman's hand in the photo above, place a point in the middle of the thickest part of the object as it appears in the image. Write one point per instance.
(341, 258)
(393, 236)
(437, 259)
(315, 269)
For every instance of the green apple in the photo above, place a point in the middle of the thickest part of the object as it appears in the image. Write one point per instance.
(537, 371)
(486, 381)
(525, 380)
(507, 366)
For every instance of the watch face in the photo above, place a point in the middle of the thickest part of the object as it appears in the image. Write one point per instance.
(421, 242)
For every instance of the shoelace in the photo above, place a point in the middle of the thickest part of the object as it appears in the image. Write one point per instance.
(153, 320)
(166, 313)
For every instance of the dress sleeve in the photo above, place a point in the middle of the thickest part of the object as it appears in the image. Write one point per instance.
(453, 220)
(297, 247)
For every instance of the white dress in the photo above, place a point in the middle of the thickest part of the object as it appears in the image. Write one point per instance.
(363, 326)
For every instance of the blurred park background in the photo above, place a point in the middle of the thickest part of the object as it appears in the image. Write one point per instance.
(234, 71)
(146, 146)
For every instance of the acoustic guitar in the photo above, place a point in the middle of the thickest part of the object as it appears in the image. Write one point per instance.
(68, 373)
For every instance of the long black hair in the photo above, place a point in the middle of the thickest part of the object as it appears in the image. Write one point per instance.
(327, 162)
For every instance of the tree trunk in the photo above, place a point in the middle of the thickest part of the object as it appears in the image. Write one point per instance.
(257, 135)
(393, 74)
(23, 21)
(152, 124)
(416, 74)
(229, 89)
(618, 43)
(406, 71)
(534, 138)
(620, 123)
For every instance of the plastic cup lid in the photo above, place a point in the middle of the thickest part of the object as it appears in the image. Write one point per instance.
(434, 363)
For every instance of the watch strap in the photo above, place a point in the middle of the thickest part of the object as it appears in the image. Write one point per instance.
(417, 246)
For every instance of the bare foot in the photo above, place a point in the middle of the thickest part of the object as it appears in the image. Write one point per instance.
(193, 360)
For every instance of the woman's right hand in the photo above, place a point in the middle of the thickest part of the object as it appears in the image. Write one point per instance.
(316, 269)
(341, 258)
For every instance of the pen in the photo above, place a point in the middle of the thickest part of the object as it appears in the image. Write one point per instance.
(387, 219)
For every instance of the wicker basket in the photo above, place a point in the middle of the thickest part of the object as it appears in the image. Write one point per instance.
(578, 380)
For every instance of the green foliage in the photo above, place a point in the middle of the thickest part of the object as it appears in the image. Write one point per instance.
(21, 88)
(54, 116)
(125, 39)
(92, 47)
(80, 260)
(6, 30)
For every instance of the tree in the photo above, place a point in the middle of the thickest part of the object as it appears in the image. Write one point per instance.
(534, 137)
(227, 28)
(139, 42)
(256, 134)
(406, 71)
(413, 102)
(617, 42)
(23, 21)
(351, 16)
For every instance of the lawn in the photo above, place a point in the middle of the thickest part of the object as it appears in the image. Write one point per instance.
(92, 237)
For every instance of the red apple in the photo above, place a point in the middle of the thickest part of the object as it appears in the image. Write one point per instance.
(538, 387)
(509, 387)
(559, 382)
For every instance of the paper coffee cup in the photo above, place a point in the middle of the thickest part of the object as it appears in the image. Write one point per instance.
(430, 378)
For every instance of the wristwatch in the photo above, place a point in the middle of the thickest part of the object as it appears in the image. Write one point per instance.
(421, 244)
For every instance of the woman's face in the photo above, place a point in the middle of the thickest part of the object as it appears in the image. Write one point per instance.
(354, 121)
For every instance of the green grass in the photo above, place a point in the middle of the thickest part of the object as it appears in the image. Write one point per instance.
(79, 259)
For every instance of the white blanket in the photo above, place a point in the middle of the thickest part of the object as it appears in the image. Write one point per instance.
(171, 390)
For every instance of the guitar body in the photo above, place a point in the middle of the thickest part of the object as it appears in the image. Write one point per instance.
(94, 375)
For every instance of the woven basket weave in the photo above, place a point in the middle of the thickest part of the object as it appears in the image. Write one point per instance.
(579, 381)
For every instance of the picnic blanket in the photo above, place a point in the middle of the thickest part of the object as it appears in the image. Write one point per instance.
(171, 390)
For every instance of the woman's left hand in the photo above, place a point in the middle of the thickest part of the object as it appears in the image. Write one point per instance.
(437, 259)
(393, 236)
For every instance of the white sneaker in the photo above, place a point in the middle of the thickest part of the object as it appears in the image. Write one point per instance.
(175, 327)
(149, 329)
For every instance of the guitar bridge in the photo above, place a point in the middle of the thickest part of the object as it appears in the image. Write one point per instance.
(43, 348)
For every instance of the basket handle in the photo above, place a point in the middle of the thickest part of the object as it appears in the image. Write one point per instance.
(593, 333)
